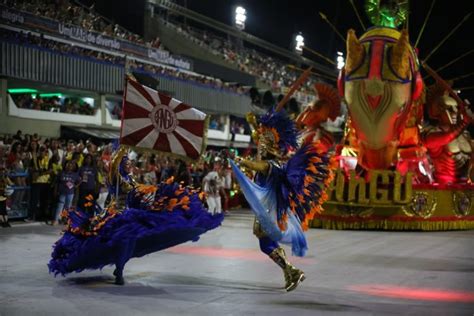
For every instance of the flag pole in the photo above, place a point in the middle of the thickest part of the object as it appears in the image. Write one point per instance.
(424, 23)
(325, 18)
(127, 70)
(295, 86)
(312, 51)
(357, 13)
(117, 183)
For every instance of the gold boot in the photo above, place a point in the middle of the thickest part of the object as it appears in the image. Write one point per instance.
(293, 276)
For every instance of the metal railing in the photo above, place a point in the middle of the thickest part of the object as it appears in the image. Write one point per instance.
(18, 203)
(206, 99)
(18, 197)
(32, 63)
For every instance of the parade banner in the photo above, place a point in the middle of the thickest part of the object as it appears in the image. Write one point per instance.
(13, 16)
(77, 33)
(152, 120)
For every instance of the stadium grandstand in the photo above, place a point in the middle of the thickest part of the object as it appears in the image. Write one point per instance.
(63, 67)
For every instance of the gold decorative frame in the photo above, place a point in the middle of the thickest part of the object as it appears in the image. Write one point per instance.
(422, 205)
(462, 203)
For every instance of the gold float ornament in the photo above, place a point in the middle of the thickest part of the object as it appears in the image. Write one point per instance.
(382, 187)
(251, 119)
(422, 205)
(400, 60)
(355, 52)
(462, 204)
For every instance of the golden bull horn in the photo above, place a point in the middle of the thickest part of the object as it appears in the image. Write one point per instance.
(355, 51)
(400, 58)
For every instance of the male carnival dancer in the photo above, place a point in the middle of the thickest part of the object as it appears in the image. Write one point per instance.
(287, 191)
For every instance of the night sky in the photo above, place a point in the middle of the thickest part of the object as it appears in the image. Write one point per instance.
(278, 20)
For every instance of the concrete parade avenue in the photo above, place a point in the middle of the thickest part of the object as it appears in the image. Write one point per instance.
(224, 273)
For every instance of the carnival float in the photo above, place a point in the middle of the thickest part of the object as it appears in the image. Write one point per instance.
(398, 168)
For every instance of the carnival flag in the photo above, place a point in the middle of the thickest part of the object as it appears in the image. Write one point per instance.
(156, 121)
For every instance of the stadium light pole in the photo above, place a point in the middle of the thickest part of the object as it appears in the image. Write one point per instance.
(299, 43)
(240, 17)
(340, 60)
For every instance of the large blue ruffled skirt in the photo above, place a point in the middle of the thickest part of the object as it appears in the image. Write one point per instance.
(130, 234)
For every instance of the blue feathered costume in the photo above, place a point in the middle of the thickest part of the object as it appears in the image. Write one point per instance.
(155, 218)
(288, 189)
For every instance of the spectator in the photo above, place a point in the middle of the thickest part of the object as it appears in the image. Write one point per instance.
(213, 184)
(31, 156)
(67, 182)
(91, 148)
(40, 190)
(213, 124)
(183, 175)
(78, 154)
(55, 149)
(35, 138)
(4, 182)
(107, 156)
(70, 150)
(197, 174)
(149, 175)
(19, 173)
(167, 170)
(15, 152)
(102, 183)
(88, 185)
(18, 136)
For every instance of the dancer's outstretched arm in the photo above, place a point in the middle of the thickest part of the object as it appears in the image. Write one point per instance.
(259, 165)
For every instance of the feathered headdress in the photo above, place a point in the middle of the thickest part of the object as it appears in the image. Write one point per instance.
(278, 128)
(330, 95)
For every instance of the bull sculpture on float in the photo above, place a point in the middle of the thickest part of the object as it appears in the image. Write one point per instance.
(381, 83)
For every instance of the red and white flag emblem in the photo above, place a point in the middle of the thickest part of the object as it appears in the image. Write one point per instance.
(156, 121)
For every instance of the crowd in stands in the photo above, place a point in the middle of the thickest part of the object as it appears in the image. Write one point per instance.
(153, 69)
(70, 105)
(72, 12)
(272, 71)
(187, 76)
(115, 109)
(53, 175)
(40, 41)
(239, 127)
(217, 122)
